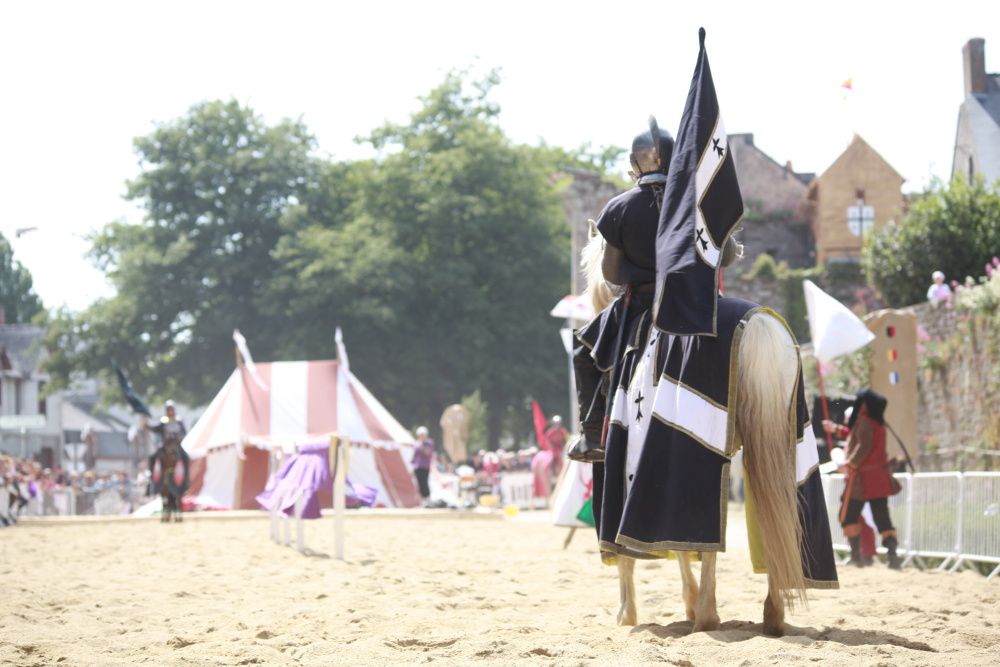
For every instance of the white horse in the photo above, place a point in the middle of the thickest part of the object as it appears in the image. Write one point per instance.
(768, 364)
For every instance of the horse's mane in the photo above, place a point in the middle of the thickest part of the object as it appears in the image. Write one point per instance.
(600, 291)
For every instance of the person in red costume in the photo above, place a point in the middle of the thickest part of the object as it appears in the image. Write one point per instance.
(868, 476)
(555, 439)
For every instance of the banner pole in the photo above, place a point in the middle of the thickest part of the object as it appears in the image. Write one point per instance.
(826, 409)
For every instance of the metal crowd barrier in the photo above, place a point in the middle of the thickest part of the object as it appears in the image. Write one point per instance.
(951, 516)
(979, 539)
(517, 488)
(74, 502)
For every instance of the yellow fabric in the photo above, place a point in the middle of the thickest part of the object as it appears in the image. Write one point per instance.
(758, 557)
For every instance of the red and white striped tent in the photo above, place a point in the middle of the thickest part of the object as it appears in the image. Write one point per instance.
(295, 402)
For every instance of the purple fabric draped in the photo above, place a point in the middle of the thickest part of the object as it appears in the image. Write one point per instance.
(308, 472)
(359, 495)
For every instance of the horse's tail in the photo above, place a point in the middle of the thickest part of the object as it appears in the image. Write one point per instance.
(601, 292)
(768, 368)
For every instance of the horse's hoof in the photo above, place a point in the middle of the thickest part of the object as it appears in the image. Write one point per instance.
(706, 625)
(774, 629)
(627, 617)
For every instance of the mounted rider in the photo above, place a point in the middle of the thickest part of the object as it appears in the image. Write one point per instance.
(170, 465)
(655, 365)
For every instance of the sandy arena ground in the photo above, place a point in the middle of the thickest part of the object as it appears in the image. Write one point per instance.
(425, 589)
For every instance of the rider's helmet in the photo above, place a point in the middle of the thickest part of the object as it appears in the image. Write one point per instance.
(650, 156)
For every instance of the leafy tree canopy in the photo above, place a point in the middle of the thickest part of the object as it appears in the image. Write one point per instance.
(954, 229)
(440, 259)
(443, 265)
(214, 185)
(17, 295)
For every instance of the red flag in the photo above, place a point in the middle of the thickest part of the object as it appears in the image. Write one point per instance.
(540, 424)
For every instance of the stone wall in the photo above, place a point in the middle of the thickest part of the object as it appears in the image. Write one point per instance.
(582, 200)
(958, 411)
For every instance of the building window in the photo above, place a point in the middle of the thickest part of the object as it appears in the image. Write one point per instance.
(42, 408)
(860, 218)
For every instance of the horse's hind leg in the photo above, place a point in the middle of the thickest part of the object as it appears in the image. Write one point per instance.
(774, 611)
(706, 616)
(178, 510)
(689, 587)
(626, 586)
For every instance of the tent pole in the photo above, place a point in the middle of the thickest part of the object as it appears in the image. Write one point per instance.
(337, 453)
(826, 409)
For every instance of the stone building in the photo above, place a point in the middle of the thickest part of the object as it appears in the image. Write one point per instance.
(794, 217)
(860, 190)
(776, 212)
(977, 139)
(582, 200)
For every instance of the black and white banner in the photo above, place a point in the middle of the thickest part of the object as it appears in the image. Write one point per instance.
(701, 207)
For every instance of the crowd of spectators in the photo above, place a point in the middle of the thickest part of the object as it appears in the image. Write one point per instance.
(28, 488)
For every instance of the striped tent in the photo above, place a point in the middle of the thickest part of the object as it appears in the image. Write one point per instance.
(288, 404)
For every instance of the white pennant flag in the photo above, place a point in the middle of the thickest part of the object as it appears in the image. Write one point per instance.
(835, 330)
(241, 345)
(342, 351)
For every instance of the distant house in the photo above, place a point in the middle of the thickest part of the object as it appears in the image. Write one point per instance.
(80, 414)
(51, 429)
(28, 427)
(977, 139)
(859, 191)
(796, 218)
(776, 215)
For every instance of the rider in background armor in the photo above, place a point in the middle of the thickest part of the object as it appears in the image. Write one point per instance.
(171, 430)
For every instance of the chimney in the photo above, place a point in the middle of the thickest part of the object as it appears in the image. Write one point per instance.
(974, 60)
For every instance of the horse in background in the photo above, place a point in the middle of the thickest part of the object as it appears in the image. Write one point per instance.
(171, 476)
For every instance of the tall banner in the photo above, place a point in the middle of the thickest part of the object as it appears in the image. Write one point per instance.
(701, 206)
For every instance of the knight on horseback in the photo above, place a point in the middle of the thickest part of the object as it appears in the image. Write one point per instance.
(663, 411)
(170, 464)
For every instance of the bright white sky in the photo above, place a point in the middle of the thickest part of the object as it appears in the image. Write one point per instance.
(79, 80)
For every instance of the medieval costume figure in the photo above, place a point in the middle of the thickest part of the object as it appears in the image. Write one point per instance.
(555, 442)
(868, 477)
(657, 376)
(170, 464)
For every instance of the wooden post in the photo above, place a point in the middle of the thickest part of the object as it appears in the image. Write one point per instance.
(300, 538)
(338, 452)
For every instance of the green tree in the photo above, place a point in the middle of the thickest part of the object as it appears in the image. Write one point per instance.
(443, 265)
(215, 185)
(954, 229)
(17, 296)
